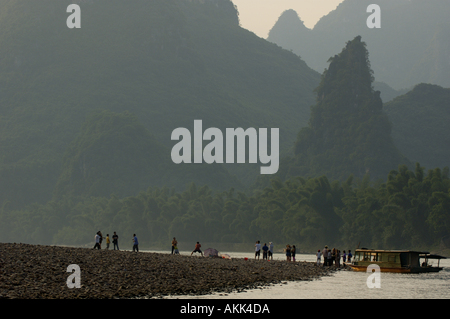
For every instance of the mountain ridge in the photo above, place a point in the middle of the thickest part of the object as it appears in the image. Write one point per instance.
(397, 48)
(167, 62)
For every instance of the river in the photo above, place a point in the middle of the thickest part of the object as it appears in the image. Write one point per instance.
(346, 285)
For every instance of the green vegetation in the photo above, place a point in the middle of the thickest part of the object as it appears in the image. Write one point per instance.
(410, 210)
(115, 154)
(420, 127)
(166, 62)
(347, 133)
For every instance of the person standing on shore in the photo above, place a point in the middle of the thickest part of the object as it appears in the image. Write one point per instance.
(293, 253)
(349, 256)
(325, 256)
(333, 256)
(318, 257)
(257, 249)
(107, 241)
(288, 252)
(101, 238)
(330, 258)
(115, 238)
(338, 258)
(97, 240)
(135, 243)
(271, 251)
(265, 249)
(174, 244)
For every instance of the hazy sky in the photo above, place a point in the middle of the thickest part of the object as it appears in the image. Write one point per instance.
(259, 16)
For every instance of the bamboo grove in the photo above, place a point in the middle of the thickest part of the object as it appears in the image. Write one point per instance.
(409, 210)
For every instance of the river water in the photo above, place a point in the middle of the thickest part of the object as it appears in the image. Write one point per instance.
(347, 285)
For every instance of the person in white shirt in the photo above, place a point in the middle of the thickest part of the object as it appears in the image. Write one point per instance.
(319, 254)
(97, 240)
(257, 249)
(271, 250)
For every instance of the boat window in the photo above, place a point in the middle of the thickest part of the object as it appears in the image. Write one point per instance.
(370, 256)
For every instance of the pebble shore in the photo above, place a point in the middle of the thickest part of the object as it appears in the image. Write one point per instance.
(40, 272)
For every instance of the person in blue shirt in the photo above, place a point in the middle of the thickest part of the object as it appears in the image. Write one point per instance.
(265, 249)
(349, 256)
(135, 243)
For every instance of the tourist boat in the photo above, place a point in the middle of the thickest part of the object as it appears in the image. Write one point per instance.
(401, 261)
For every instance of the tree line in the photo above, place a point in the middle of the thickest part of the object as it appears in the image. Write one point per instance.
(410, 211)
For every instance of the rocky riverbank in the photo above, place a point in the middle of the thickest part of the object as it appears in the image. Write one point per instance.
(34, 272)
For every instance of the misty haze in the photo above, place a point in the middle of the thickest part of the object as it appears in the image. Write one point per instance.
(87, 114)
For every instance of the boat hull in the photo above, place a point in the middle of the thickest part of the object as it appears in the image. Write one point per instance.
(398, 269)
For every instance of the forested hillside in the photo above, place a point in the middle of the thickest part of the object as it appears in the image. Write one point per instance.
(165, 62)
(115, 154)
(420, 124)
(348, 133)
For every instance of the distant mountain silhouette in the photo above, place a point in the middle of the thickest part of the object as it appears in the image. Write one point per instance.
(412, 45)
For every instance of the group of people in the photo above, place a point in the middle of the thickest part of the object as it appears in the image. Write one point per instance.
(330, 256)
(267, 250)
(333, 256)
(290, 252)
(175, 250)
(115, 240)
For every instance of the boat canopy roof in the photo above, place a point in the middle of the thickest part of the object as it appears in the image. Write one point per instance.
(421, 253)
(391, 251)
(433, 256)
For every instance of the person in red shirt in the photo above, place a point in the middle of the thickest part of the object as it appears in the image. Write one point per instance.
(197, 249)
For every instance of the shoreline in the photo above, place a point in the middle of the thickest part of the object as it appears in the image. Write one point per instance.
(40, 272)
(183, 246)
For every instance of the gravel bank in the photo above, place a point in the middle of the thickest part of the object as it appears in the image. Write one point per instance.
(35, 271)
